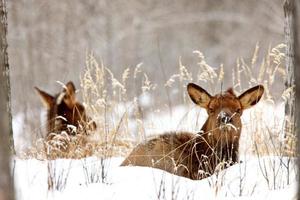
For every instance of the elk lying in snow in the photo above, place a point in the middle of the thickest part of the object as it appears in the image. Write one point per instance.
(197, 156)
(64, 112)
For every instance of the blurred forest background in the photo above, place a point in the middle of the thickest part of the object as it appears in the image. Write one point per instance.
(49, 40)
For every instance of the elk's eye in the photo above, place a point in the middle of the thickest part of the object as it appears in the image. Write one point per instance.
(238, 111)
(210, 110)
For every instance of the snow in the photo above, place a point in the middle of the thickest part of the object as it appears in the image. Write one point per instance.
(26, 129)
(257, 177)
(17, 124)
(241, 181)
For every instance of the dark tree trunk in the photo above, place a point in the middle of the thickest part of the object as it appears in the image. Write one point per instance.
(6, 183)
(292, 34)
(290, 66)
(296, 30)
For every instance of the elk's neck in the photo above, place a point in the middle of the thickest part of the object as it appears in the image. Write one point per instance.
(215, 137)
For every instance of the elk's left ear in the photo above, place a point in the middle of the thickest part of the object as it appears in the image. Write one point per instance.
(69, 96)
(251, 96)
(47, 99)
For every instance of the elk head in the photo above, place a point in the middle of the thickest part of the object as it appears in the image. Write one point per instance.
(224, 110)
(64, 110)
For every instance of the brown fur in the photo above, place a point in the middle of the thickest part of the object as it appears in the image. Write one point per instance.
(197, 156)
(63, 110)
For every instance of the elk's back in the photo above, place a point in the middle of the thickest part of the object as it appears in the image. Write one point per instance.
(173, 152)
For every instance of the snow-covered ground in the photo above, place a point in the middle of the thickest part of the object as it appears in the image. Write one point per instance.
(267, 177)
(264, 178)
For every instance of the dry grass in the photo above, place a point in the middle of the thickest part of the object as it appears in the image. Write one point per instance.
(74, 147)
(106, 100)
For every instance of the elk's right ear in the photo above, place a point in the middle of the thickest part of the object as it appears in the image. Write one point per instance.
(46, 98)
(251, 96)
(198, 95)
(70, 89)
(69, 97)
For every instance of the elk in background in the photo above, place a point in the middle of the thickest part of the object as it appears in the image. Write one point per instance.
(65, 113)
(198, 156)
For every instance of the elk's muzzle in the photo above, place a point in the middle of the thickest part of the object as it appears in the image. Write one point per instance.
(224, 118)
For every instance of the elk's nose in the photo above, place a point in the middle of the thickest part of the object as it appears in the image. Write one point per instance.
(224, 117)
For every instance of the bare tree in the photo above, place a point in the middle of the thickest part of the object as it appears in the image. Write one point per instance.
(290, 65)
(292, 34)
(296, 27)
(6, 183)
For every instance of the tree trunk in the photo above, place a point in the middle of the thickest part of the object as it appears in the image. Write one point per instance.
(292, 35)
(296, 31)
(6, 183)
(289, 134)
